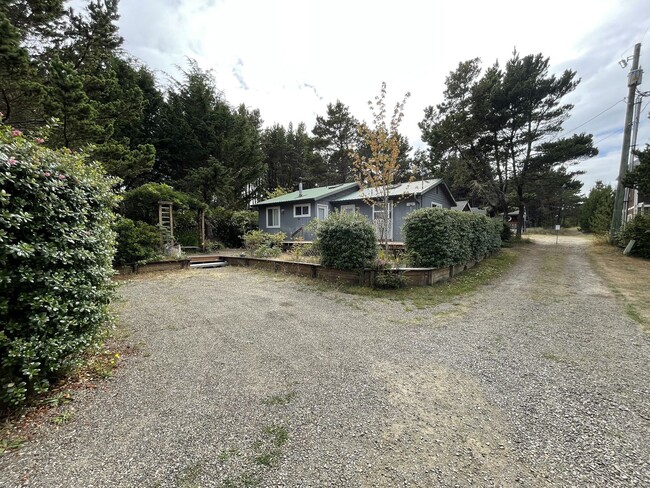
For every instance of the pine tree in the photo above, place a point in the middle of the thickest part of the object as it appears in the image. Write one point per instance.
(335, 139)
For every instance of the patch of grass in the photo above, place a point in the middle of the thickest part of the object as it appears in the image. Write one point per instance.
(280, 399)
(189, 477)
(266, 459)
(552, 357)
(626, 276)
(279, 434)
(245, 480)
(633, 313)
(227, 454)
(430, 296)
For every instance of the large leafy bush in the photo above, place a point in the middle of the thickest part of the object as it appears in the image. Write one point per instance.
(56, 253)
(137, 242)
(436, 237)
(230, 226)
(346, 241)
(264, 244)
(638, 229)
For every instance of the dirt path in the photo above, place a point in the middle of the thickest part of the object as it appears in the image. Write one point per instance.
(249, 379)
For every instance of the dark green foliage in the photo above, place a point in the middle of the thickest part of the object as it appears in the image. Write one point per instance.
(638, 229)
(56, 253)
(597, 209)
(346, 241)
(639, 178)
(289, 155)
(137, 242)
(229, 226)
(212, 150)
(335, 138)
(506, 232)
(142, 202)
(437, 237)
(495, 134)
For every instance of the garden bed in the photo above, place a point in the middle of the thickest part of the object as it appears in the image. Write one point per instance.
(365, 277)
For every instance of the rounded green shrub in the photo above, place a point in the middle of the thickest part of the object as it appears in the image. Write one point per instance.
(137, 242)
(56, 253)
(637, 229)
(346, 241)
(264, 244)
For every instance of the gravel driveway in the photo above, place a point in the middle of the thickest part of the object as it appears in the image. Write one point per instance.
(251, 379)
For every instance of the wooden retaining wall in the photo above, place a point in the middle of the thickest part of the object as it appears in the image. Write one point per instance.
(413, 276)
(154, 266)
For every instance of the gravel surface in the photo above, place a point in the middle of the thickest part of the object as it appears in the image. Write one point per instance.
(252, 379)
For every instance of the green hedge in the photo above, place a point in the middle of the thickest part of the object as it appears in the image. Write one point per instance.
(230, 226)
(346, 241)
(639, 230)
(437, 237)
(56, 254)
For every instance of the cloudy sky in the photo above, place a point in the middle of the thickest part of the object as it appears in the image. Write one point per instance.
(289, 58)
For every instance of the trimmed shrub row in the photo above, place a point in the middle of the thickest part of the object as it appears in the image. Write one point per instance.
(437, 237)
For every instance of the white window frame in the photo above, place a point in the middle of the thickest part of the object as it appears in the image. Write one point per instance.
(267, 217)
(327, 211)
(351, 208)
(436, 205)
(301, 205)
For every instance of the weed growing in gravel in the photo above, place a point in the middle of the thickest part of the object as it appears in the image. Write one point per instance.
(63, 417)
(10, 443)
(58, 399)
(266, 459)
(280, 399)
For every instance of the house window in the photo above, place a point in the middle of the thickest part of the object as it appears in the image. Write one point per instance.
(302, 210)
(323, 211)
(348, 209)
(273, 217)
(434, 204)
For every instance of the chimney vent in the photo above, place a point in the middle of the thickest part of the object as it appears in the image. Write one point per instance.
(300, 188)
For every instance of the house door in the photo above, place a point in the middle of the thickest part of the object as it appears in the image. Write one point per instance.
(323, 212)
(383, 220)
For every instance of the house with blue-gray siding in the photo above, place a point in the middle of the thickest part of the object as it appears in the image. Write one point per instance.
(291, 213)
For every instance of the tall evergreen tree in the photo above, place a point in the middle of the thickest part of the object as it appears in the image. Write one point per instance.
(198, 130)
(503, 125)
(335, 138)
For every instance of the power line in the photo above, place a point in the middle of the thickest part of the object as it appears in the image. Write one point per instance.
(593, 118)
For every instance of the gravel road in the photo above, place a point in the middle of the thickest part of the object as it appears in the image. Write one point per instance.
(251, 379)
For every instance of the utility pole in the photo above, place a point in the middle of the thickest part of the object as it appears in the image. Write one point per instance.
(633, 80)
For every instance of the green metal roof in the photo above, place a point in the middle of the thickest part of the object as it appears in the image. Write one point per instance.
(317, 193)
(399, 189)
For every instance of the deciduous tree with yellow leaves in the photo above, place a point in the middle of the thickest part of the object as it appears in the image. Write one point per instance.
(377, 171)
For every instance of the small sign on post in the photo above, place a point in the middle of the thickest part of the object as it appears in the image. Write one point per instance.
(557, 233)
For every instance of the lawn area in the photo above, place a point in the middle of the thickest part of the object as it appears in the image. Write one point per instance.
(429, 296)
(628, 278)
